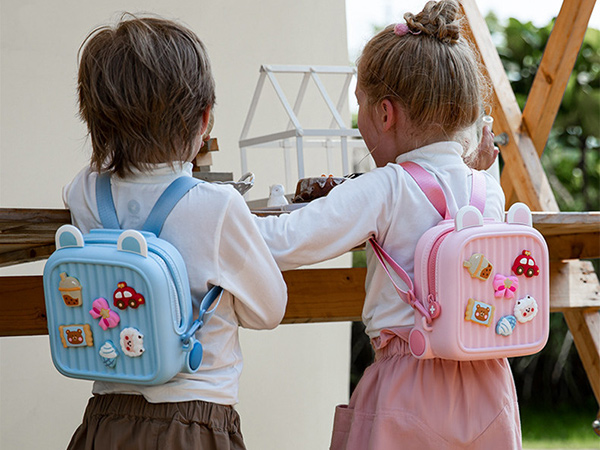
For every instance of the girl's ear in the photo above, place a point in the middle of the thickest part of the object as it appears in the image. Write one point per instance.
(389, 115)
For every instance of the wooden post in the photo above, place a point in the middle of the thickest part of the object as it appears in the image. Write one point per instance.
(521, 159)
(523, 177)
(585, 326)
(553, 74)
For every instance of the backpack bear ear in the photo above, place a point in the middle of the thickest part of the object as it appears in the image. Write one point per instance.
(68, 236)
(468, 216)
(134, 242)
(519, 213)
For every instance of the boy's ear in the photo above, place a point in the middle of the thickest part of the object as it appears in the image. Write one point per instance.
(205, 119)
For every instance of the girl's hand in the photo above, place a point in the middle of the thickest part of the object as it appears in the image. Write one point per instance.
(485, 154)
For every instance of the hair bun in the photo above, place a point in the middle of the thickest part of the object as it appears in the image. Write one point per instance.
(438, 19)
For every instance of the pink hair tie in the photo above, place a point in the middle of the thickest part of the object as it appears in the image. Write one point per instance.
(401, 29)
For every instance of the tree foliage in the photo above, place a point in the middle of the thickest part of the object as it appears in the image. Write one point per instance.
(571, 158)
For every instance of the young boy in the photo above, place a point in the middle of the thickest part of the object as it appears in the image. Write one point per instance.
(145, 92)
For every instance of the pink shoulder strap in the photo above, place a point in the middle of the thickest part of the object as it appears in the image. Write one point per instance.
(434, 193)
(478, 190)
(430, 187)
(409, 295)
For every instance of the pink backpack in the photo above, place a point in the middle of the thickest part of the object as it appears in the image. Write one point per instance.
(481, 287)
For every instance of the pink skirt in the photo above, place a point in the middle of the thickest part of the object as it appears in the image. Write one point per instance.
(402, 402)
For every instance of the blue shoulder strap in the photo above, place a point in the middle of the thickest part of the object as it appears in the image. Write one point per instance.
(167, 201)
(163, 206)
(106, 205)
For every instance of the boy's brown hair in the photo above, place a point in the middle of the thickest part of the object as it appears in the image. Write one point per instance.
(143, 87)
(430, 70)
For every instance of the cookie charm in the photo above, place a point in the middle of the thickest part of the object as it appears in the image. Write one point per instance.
(76, 335)
(479, 312)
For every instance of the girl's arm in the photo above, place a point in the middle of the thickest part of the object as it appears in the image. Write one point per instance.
(247, 269)
(332, 225)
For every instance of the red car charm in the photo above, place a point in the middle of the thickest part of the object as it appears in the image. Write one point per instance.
(127, 296)
(525, 265)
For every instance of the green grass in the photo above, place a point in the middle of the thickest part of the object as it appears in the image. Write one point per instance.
(561, 427)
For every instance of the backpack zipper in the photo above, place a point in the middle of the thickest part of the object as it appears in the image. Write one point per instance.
(432, 305)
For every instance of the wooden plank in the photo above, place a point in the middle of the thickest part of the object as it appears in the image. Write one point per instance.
(32, 215)
(24, 255)
(324, 295)
(585, 328)
(23, 308)
(522, 162)
(574, 246)
(573, 284)
(562, 223)
(315, 295)
(553, 74)
(203, 159)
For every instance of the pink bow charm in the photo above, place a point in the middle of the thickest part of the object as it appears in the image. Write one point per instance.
(101, 310)
(505, 286)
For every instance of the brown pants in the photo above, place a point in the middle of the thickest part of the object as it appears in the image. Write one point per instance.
(129, 422)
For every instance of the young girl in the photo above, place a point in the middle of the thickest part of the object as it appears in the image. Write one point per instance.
(418, 89)
(146, 92)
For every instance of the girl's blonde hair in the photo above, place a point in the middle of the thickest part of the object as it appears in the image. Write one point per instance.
(143, 86)
(429, 69)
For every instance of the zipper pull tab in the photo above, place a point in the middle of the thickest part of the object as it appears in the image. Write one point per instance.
(434, 308)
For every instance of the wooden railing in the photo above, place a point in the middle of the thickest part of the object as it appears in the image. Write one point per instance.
(323, 295)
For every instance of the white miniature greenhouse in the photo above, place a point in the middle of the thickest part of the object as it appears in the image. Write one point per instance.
(335, 134)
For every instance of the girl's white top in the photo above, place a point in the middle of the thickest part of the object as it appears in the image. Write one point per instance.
(385, 203)
(213, 229)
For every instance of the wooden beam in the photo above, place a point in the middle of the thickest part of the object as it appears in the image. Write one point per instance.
(585, 328)
(574, 246)
(521, 159)
(25, 255)
(341, 293)
(553, 75)
(573, 284)
(314, 295)
(570, 235)
(551, 223)
(23, 308)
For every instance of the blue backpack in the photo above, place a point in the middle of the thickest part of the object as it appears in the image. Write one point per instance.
(118, 302)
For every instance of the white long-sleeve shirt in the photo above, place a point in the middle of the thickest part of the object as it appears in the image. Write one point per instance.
(213, 229)
(385, 203)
